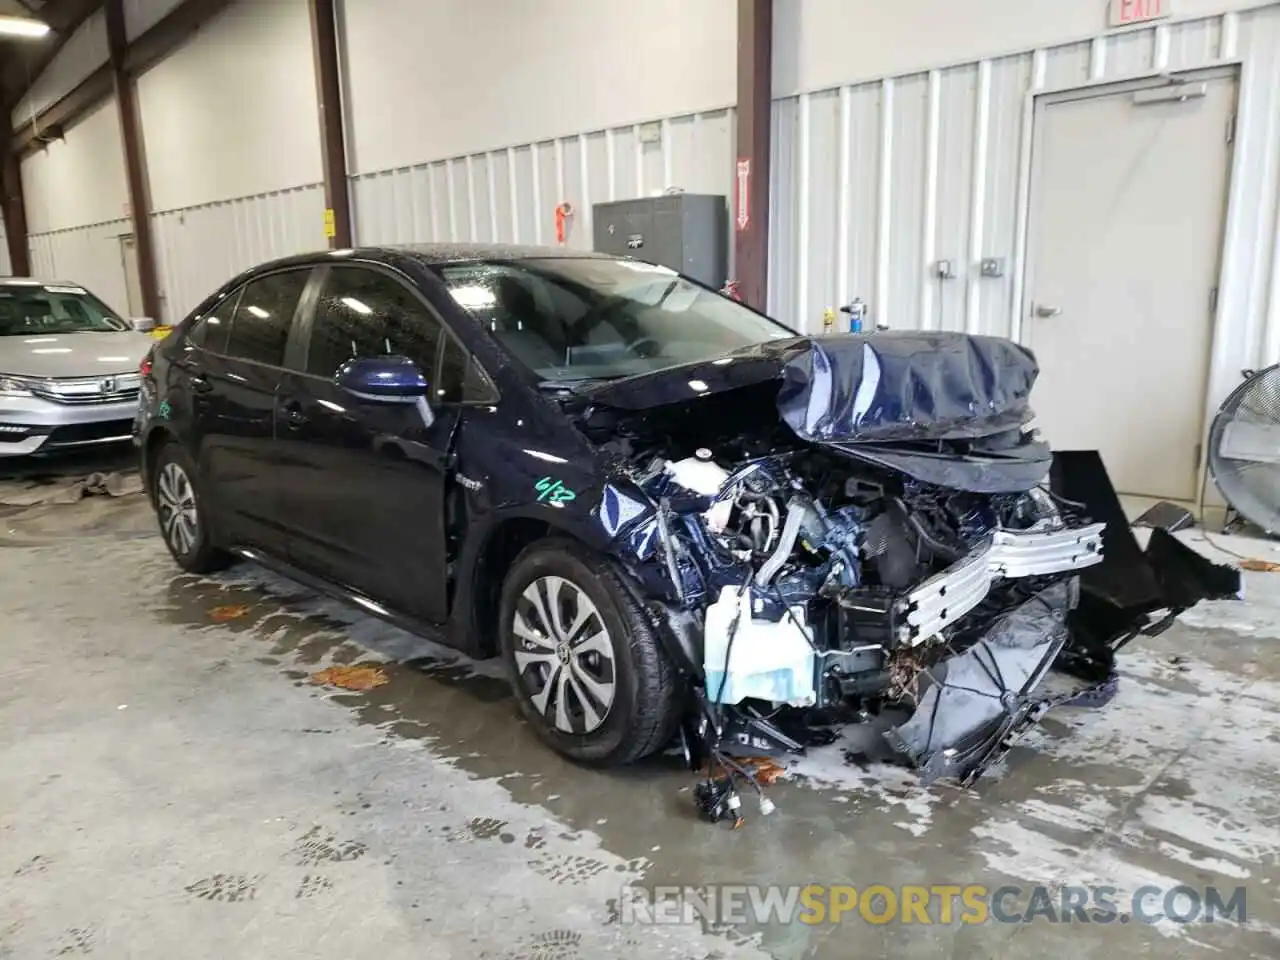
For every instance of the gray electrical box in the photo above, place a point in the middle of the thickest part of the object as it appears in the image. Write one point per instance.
(688, 232)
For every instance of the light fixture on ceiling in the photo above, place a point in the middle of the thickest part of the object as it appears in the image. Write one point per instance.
(22, 27)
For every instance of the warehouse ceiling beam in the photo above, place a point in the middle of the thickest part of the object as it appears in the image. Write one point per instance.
(751, 185)
(333, 146)
(14, 211)
(135, 158)
(64, 16)
(20, 61)
(175, 29)
(178, 26)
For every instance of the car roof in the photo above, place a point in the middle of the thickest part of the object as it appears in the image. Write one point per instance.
(452, 252)
(429, 254)
(35, 282)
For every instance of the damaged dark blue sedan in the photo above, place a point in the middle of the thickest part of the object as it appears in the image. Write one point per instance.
(671, 516)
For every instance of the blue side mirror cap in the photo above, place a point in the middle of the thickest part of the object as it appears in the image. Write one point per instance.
(383, 378)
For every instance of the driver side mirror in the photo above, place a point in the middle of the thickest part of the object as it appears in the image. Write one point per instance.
(389, 379)
(142, 324)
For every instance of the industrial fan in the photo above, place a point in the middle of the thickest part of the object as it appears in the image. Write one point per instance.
(1244, 450)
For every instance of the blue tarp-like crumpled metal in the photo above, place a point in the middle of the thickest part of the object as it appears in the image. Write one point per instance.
(884, 398)
(891, 386)
(970, 704)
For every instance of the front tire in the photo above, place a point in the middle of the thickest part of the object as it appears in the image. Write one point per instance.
(587, 670)
(181, 512)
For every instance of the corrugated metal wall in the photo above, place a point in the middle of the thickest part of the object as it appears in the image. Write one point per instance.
(199, 248)
(510, 195)
(86, 255)
(874, 183)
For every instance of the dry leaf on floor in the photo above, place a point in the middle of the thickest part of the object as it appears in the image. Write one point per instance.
(350, 677)
(766, 769)
(1260, 566)
(230, 612)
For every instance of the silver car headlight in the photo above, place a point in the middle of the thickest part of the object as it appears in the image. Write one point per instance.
(13, 387)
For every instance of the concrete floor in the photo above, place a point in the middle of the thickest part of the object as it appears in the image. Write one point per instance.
(171, 786)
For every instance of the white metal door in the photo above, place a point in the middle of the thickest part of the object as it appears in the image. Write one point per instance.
(1127, 207)
(132, 277)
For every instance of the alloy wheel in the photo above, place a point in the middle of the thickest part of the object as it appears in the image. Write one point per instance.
(176, 506)
(564, 655)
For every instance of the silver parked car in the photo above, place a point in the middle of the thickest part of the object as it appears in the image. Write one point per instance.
(68, 368)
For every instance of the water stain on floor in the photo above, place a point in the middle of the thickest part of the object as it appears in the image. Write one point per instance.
(903, 833)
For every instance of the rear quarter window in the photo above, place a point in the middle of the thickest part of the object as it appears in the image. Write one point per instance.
(210, 331)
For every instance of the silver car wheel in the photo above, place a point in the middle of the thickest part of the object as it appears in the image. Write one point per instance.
(176, 506)
(563, 655)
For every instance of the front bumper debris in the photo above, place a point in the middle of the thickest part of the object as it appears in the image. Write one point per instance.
(968, 649)
(947, 597)
(973, 705)
(1133, 591)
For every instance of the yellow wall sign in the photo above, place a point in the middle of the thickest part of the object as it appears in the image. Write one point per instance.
(330, 224)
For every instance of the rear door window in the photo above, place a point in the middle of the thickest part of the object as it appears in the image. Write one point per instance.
(263, 316)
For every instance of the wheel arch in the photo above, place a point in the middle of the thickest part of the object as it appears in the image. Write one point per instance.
(479, 590)
(156, 438)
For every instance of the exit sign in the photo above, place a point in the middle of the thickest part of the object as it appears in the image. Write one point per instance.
(1125, 12)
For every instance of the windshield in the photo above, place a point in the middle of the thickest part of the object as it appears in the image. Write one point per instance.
(586, 319)
(45, 309)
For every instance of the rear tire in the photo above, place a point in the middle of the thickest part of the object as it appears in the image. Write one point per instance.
(587, 670)
(180, 511)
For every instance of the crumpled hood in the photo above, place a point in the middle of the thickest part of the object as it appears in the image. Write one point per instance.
(883, 386)
(906, 386)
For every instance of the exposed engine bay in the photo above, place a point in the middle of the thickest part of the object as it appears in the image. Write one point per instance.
(825, 584)
(882, 532)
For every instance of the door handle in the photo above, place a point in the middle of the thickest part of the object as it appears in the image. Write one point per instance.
(1044, 310)
(200, 385)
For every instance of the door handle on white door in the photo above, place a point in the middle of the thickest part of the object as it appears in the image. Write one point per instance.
(1044, 310)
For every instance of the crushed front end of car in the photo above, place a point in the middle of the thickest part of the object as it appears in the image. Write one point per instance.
(863, 527)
